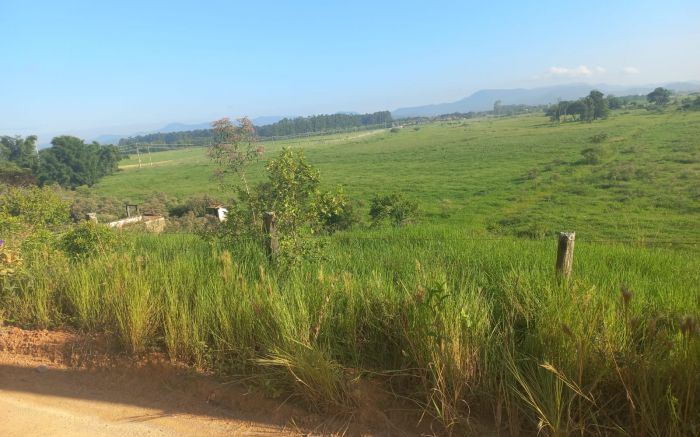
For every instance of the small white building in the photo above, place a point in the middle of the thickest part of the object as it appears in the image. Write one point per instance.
(219, 211)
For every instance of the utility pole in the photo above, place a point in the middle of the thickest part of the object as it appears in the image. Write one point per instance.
(138, 154)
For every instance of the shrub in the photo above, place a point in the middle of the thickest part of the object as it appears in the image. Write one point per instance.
(594, 155)
(37, 207)
(599, 138)
(334, 210)
(394, 207)
(88, 238)
(10, 260)
(158, 203)
(197, 205)
(394, 130)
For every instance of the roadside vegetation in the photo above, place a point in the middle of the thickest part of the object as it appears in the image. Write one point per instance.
(421, 260)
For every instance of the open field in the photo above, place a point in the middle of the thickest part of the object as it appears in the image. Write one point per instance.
(458, 317)
(521, 176)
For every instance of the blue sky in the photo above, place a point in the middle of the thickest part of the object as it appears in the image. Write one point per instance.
(96, 67)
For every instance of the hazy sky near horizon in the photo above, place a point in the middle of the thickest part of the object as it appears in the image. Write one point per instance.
(90, 67)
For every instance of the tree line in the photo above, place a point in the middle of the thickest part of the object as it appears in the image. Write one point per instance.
(69, 162)
(323, 123)
(592, 107)
(597, 106)
(284, 127)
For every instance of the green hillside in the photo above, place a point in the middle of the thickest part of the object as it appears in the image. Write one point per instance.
(523, 175)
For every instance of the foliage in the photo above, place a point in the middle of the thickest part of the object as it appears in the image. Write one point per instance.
(286, 127)
(469, 325)
(592, 107)
(290, 192)
(595, 155)
(86, 201)
(234, 149)
(465, 330)
(197, 205)
(88, 239)
(20, 151)
(660, 96)
(34, 207)
(335, 211)
(158, 203)
(599, 138)
(393, 207)
(10, 261)
(482, 166)
(324, 123)
(12, 174)
(70, 162)
(691, 104)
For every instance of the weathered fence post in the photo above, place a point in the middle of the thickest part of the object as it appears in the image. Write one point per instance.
(565, 253)
(272, 246)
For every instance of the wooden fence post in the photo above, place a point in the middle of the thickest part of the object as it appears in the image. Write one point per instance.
(272, 246)
(565, 253)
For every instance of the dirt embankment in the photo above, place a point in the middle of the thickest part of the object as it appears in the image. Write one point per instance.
(65, 384)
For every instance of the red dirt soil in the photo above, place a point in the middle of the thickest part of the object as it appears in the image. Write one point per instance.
(66, 384)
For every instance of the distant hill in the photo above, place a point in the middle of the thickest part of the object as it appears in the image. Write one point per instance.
(483, 100)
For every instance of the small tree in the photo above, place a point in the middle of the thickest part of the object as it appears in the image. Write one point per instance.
(660, 96)
(334, 211)
(291, 192)
(393, 207)
(600, 105)
(234, 148)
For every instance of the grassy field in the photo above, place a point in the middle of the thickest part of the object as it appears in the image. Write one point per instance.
(522, 176)
(460, 315)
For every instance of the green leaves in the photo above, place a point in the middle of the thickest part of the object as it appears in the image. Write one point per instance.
(88, 238)
(37, 207)
(393, 207)
(72, 163)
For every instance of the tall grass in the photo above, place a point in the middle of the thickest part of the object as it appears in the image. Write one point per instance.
(468, 330)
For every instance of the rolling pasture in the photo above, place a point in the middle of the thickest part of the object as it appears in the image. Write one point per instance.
(460, 315)
(522, 176)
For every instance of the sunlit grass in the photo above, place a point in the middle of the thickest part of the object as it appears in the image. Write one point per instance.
(462, 326)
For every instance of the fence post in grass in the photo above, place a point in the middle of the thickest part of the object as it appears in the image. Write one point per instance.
(565, 253)
(272, 246)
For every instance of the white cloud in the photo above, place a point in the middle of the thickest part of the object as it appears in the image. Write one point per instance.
(580, 71)
(630, 71)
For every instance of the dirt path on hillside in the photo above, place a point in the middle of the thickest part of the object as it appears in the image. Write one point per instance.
(58, 384)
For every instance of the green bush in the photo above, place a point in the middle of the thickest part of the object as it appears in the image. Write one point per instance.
(37, 207)
(88, 238)
(599, 138)
(334, 210)
(394, 207)
(594, 155)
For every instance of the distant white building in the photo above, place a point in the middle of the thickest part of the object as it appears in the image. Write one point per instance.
(219, 211)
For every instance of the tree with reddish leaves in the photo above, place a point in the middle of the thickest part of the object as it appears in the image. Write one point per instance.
(235, 147)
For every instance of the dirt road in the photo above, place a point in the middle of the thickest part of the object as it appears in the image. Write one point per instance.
(43, 399)
(57, 384)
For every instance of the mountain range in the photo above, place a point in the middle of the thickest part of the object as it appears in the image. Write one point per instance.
(483, 100)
